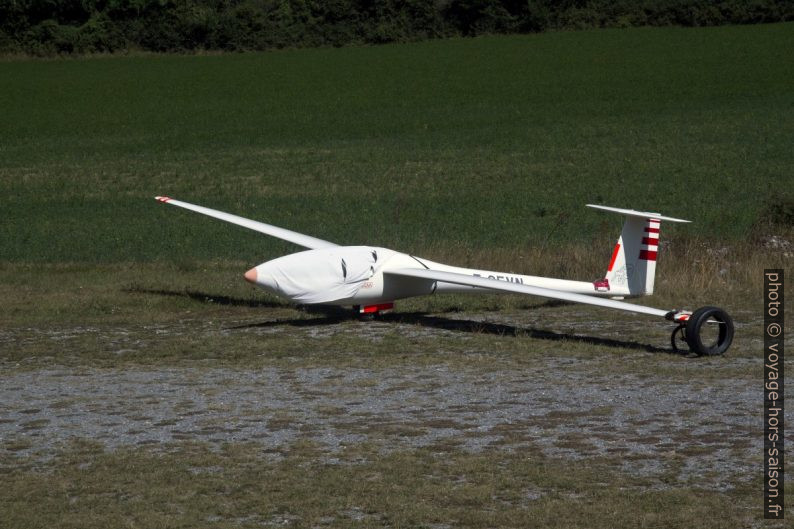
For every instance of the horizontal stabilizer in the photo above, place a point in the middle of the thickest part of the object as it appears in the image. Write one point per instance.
(635, 213)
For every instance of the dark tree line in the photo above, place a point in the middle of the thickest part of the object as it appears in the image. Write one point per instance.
(47, 27)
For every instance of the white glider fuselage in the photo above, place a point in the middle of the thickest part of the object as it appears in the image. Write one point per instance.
(359, 275)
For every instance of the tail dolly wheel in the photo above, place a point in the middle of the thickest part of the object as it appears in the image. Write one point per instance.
(706, 332)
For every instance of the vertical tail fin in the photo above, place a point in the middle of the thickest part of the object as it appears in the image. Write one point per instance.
(632, 268)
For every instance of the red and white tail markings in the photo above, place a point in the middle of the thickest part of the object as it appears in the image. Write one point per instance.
(650, 243)
(163, 199)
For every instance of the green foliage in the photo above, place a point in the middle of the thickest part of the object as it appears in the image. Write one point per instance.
(475, 17)
(94, 26)
(778, 211)
(433, 148)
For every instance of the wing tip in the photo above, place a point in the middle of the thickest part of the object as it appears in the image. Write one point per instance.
(162, 199)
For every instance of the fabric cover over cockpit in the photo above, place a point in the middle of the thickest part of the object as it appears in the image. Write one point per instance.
(322, 276)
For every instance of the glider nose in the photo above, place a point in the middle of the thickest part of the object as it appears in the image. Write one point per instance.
(260, 276)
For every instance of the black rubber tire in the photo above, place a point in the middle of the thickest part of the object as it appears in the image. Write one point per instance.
(697, 320)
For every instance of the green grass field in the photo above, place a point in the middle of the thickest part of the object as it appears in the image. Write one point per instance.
(477, 143)
(479, 152)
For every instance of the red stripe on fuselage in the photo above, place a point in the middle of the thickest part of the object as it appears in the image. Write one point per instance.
(651, 230)
(650, 242)
(648, 255)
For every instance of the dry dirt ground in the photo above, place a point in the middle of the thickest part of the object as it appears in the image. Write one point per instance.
(698, 418)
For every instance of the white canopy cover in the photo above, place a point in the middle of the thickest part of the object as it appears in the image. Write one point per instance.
(323, 275)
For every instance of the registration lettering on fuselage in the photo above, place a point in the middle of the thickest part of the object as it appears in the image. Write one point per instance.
(507, 279)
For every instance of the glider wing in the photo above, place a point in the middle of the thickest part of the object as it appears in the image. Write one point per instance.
(493, 284)
(274, 231)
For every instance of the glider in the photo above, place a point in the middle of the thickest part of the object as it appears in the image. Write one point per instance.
(372, 278)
